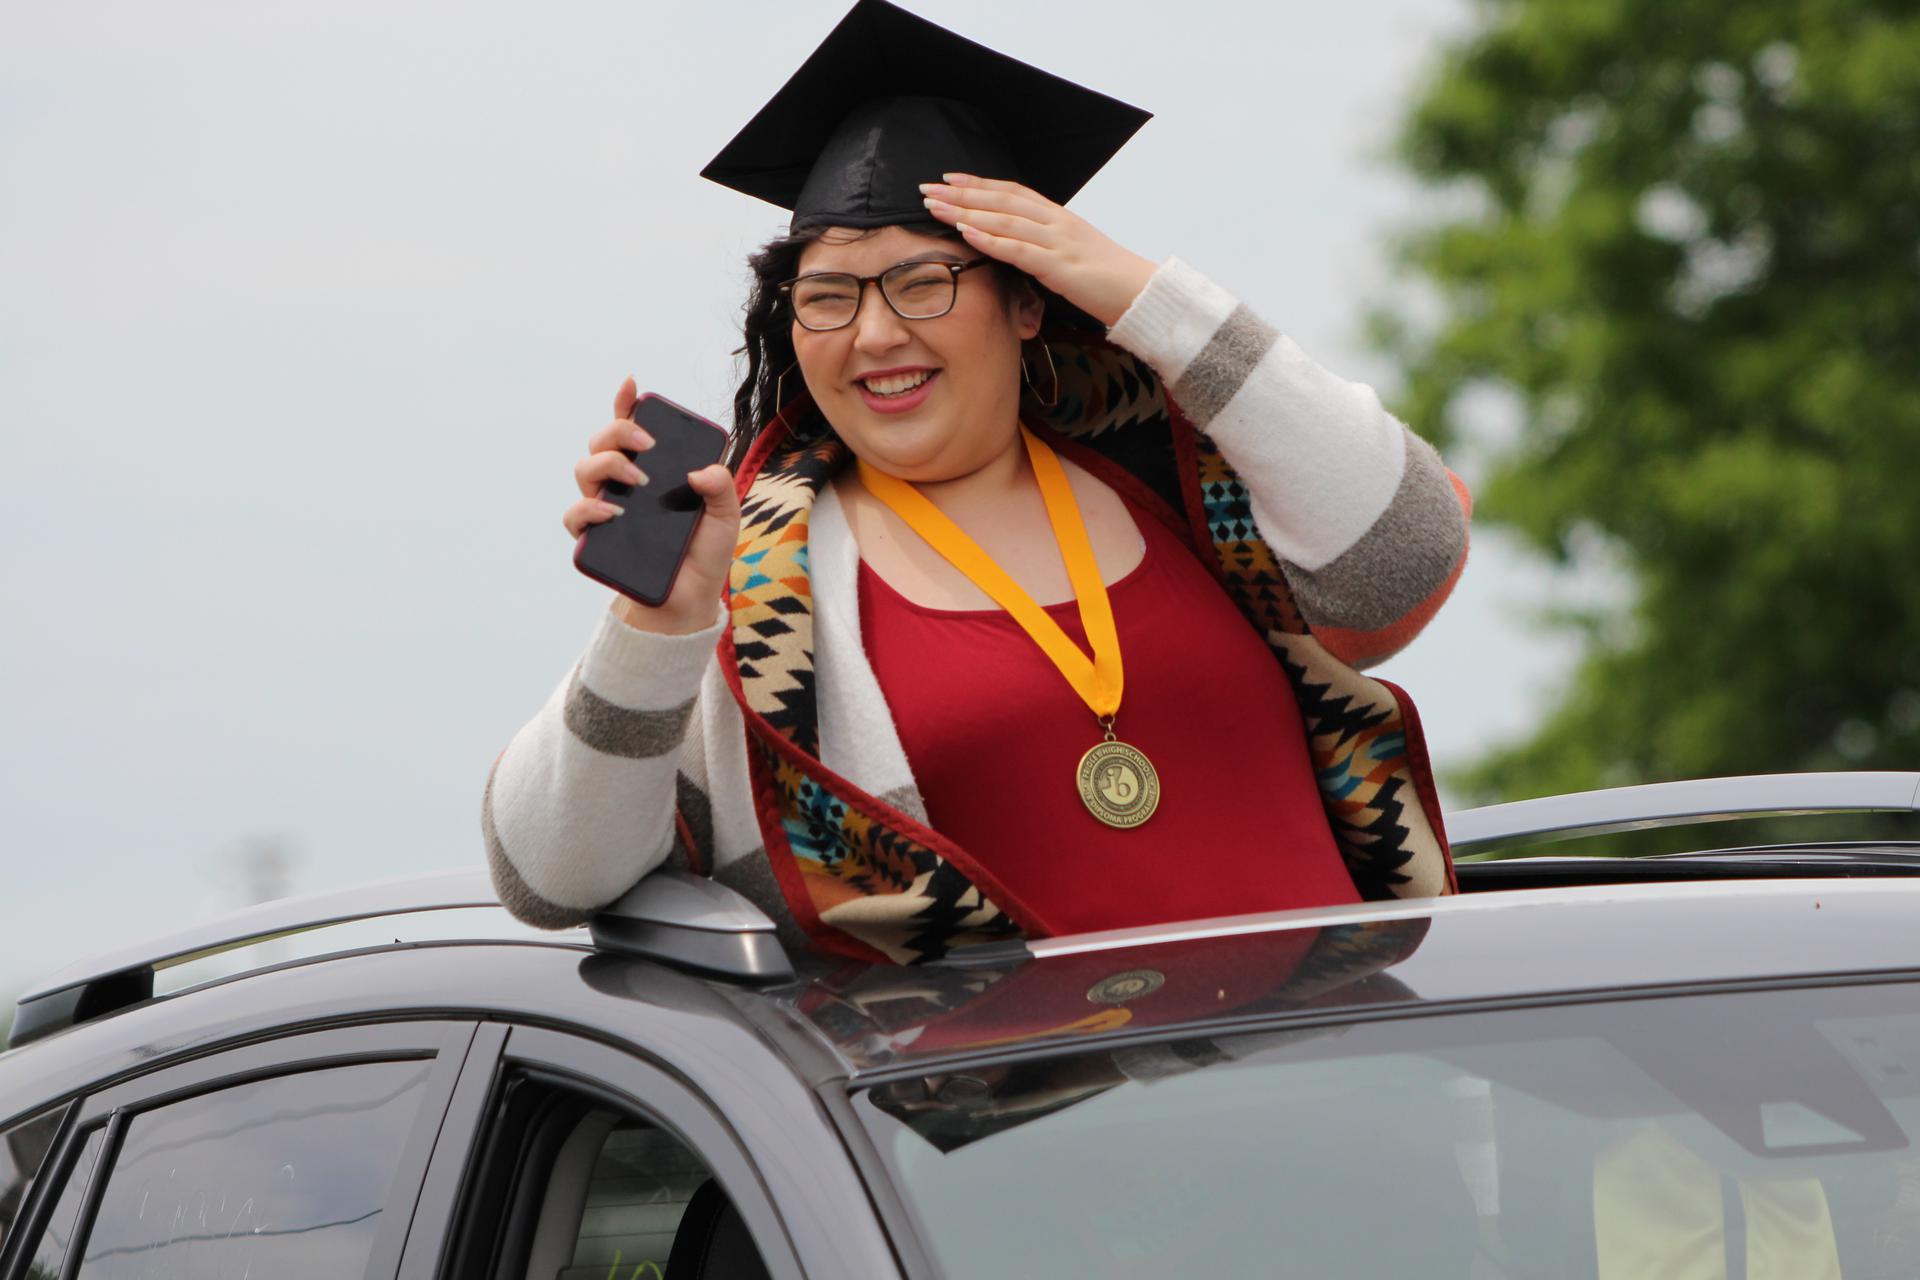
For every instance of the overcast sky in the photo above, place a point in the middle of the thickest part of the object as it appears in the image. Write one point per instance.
(307, 309)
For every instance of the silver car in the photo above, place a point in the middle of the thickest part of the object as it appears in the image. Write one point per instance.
(1705, 1065)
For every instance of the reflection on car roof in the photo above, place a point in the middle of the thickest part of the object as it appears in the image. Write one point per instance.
(1350, 962)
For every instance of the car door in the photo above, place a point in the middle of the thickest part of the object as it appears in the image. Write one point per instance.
(299, 1155)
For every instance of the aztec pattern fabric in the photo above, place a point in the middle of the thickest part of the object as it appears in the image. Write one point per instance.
(860, 876)
(1357, 727)
(869, 881)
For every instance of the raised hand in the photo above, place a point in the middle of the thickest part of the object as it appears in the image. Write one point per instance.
(1060, 249)
(693, 603)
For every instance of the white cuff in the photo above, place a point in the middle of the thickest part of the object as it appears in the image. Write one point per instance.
(1171, 320)
(645, 670)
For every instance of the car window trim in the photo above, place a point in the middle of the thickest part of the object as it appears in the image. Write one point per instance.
(443, 1043)
(280, 1055)
(896, 1216)
(62, 1112)
(51, 1184)
(53, 1169)
(96, 1189)
(455, 1148)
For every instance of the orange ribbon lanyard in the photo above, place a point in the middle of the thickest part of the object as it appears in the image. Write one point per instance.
(1099, 681)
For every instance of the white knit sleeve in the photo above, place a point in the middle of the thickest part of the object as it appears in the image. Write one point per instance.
(581, 803)
(1370, 526)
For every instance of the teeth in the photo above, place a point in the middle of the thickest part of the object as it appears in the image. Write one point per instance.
(896, 384)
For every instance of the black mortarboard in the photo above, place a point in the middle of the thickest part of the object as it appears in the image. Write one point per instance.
(890, 100)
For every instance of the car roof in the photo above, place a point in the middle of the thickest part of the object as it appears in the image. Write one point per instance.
(860, 1024)
(1742, 916)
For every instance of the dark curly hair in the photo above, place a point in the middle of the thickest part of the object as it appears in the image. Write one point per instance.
(767, 334)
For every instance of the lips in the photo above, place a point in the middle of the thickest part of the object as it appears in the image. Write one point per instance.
(896, 390)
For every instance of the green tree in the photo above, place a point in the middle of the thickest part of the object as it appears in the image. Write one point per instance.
(1685, 236)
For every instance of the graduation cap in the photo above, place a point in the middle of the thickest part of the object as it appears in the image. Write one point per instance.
(890, 100)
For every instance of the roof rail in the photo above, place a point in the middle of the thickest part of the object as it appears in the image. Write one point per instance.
(1773, 862)
(1675, 804)
(670, 916)
(124, 976)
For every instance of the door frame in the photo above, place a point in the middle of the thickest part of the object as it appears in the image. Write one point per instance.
(444, 1043)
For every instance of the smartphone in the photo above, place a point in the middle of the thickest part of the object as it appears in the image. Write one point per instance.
(638, 554)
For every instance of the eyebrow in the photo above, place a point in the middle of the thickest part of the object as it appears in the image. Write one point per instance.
(931, 255)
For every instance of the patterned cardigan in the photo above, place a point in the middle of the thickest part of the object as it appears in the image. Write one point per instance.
(761, 751)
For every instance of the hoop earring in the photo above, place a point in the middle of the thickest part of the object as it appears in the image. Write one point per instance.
(1046, 402)
(779, 387)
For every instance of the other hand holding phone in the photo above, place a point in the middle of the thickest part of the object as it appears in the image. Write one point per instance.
(691, 603)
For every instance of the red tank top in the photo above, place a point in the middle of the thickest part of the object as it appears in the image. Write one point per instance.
(994, 734)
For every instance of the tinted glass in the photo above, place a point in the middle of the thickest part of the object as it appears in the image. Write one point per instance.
(1759, 1133)
(636, 1195)
(285, 1177)
(22, 1147)
(51, 1250)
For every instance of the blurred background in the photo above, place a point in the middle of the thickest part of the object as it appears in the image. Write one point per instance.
(306, 311)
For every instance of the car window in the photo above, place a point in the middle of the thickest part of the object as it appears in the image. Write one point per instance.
(636, 1198)
(575, 1189)
(286, 1176)
(22, 1147)
(50, 1253)
(1741, 1133)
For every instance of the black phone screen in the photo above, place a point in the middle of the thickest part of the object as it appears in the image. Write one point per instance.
(639, 553)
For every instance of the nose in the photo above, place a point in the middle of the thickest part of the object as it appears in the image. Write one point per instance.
(876, 327)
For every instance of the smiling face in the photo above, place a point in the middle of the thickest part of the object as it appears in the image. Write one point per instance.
(924, 400)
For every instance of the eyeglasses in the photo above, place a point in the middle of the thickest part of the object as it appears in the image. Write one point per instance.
(825, 300)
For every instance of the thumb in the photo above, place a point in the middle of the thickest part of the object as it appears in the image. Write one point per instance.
(715, 484)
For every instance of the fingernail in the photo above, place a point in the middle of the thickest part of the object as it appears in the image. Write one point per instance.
(927, 187)
(641, 440)
(936, 205)
(963, 226)
(957, 179)
(613, 510)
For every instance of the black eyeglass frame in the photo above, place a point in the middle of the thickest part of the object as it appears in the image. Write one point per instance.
(861, 282)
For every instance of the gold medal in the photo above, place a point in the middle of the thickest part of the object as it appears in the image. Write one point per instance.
(1118, 784)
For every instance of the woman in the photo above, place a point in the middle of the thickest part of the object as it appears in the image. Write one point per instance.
(944, 598)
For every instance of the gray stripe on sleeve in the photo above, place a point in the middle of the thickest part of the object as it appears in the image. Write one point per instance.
(622, 731)
(515, 895)
(698, 811)
(1216, 374)
(1398, 562)
(907, 800)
